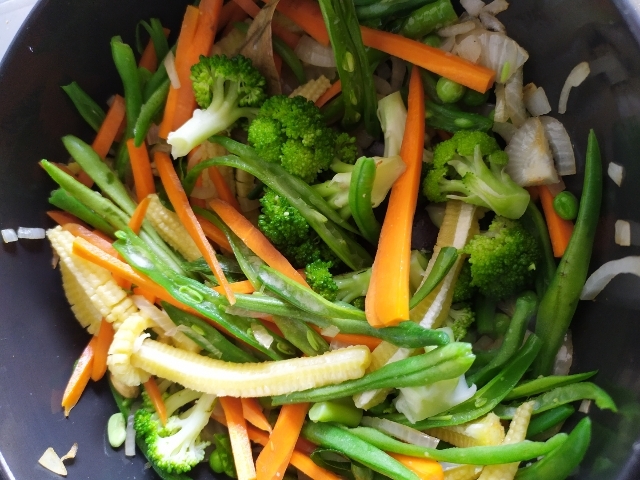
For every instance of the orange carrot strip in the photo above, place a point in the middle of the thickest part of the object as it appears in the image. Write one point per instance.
(534, 193)
(144, 293)
(425, 468)
(84, 178)
(135, 222)
(224, 192)
(255, 240)
(149, 59)
(151, 387)
(239, 437)
(353, 339)
(308, 16)
(207, 27)
(238, 16)
(180, 203)
(62, 218)
(238, 287)
(275, 456)
(560, 230)
(141, 169)
(253, 414)
(79, 378)
(229, 14)
(109, 128)
(391, 265)
(248, 6)
(331, 92)
(101, 348)
(79, 231)
(214, 234)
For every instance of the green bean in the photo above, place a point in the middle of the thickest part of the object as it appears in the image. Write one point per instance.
(558, 464)
(428, 18)
(472, 98)
(362, 178)
(544, 421)
(565, 205)
(87, 108)
(501, 324)
(560, 301)
(333, 110)
(69, 203)
(449, 91)
(229, 266)
(526, 306)
(148, 111)
(485, 455)
(156, 32)
(303, 337)
(485, 309)
(345, 413)
(156, 80)
(446, 258)
(535, 224)
(451, 119)
(561, 396)
(443, 363)
(334, 461)
(542, 384)
(388, 8)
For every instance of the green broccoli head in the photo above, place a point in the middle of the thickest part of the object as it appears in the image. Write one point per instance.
(321, 280)
(280, 222)
(470, 167)
(463, 290)
(309, 251)
(346, 149)
(461, 316)
(503, 259)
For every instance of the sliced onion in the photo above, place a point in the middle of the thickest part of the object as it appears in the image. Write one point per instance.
(501, 54)
(578, 75)
(623, 233)
(427, 156)
(9, 235)
(162, 320)
(398, 72)
(536, 101)
(564, 358)
(401, 432)
(560, 145)
(496, 7)
(611, 66)
(310, 51)
(603, 275)
(457, 29)
(448, 44)
(71, 454)
(330, 331)
(491, 23)
(31, 233)
(556, 188)
(170, 65)
(473, 7)
(585, 406)
(500, 113)
(130, 438)
(262, 335)
(513, 99)
(52, 462)
(248, 205)
(137, 343)
(469, 47)
(505, 129)
(382, 86)
(616, 173)
(530, 159)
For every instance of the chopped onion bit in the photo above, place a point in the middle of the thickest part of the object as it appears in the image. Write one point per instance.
(9, 235)
(130, 438)
(262, 335)
(491, 23)
(560, 144)
(71, 453)
(616, 173)
(330, 331)
(457, 29)
(603, 275)
(623, 233)
(52, 462)
(31, 233)
(578, 75)
(513, 99)
(556, 188)
(505, 129)
(530, 158)
(170, 65)
(564, 358)
(585, 406)
(401, 432)
(473, 7)
(496, 7)
(536, 101)
(313, 53)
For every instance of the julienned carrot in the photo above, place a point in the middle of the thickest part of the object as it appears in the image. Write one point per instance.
(135, 222)
(151, 387)
(141, 169)
(206, 29)
(275, 456)
(149, 59)
(62, 218)
(390, 305)
(308, 16)
(255, 240)
(253, 414)
(110, 126)
(237, 15)
(228, 14)
(353, 339)
(425, 468)
(224, 192)
(248, 6)
(79, 378)
(78, 230)
(100, 350)
(560, 230)
(331, 92)
(214, 234)
(239, 437)
(238, 287)
(287, 36)
(180, 203)
(143, 293)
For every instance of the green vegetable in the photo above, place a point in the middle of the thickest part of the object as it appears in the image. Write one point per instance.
(446, 258)
(542, 384)
(560, 301)
(544, 421)
(304, 338)
(334, 461)
(158, 38)
(157, 79)
(352, 285)
(472, 98)
(485, 308)
(566, 205)
(463, 290)
(434, 41)
(221, 458)
(149, 110)
(460, 317)
(428, 18)
(536, 225)
(333, 110)
(360, 188)
(68, 203)
(449, 91)
(387, 8)
(343, 412)
(320, 280)
(87, 108)
(451, 119)
(116, 430)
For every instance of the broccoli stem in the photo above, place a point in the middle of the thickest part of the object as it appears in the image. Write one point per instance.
(352, 285)
(87, 108)
(360, 187)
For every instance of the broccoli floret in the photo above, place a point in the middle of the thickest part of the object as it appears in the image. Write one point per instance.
(175, 447)
(321, 280)
(503, 259)
(352, 285)
(463, 290)
(226, 89)
(460, 318)
(309, 251)
(358, 303)
(459, 171)
(292, 132)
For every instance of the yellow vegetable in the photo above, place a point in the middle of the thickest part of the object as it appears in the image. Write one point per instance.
(463, 472)
(123, 346)
(484, 431)
(313, 89)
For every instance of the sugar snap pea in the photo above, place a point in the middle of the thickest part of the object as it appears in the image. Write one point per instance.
(545, 420)
(428, 18)
(86, 106)
(362, 178)
(69, 203)
(542, 384)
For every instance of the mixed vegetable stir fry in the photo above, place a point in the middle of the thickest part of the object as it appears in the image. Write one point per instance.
(239, 241)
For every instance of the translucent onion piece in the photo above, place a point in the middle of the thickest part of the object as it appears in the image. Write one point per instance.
(556, 188)
(436, 213)
(496, 7)
(578, 75)
(313, 53)
(31, 233)
(560, 144)
(603, 275)
(491, 23)
(330, 331)
(52, 462)
(615, 172)
(427, 156)
(204, 192)
(500, 113)
(530, 159)
(536, 101)
(457, 29)
(448, 44)
(130, 439)
(262, 335)
(382, 86)
(170, 65)
(611, 66)
(501, 54)
(337, 344)
(152, 134)
(623, 233)
(9, 235)
(401, 432)
(469, 48)
(564, 358)
(473, 7)
(505, 129)
(513, 99)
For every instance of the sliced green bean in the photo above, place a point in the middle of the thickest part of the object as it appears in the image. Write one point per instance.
(485, 309)
(535, 224)
(541, 385)
(304, 338)
(544, 421)
(156, 32)
(87, 108)
(333, 110)
(387, 8)
(345, 413)
(428, 18)
(362, 178)
(452, 119)
(148, 111)
(68, 203)
(446, 258)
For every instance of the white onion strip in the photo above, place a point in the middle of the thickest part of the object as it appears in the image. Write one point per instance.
(130, 439)
(30, 233)
(623, 233)
(170, 65)
(603, 275)
(560, 145)
(313, 53)
(616, 173)
(9, 235)
(401, 432)
(578, 75)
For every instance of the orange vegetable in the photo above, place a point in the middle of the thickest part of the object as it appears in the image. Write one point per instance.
(224, 192)
(79, 231)
(275, 456)
(239, 437)
(307, 14)
(390, 305)
(135, 222)
(253, 414)
(560, 230)
(151, 387)
(141, 169)
(210, 11)
(143, 293)
(229, 14)
(255, 240)
(238, 287)
(425, 468)
(110, 127)
(79, 378)
(149, 59)
(180, 203)
(100, 350)
(354, 339)
(62, 218)
(248, 6)
(287, 36)
(331, 92)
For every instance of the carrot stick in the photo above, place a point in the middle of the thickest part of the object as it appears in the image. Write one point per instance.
(206, 30)
(229, 14)
(425, 468)
(143, 293)
(135, 223)
(238, 15)
(110, 127)
(390, 305)
(78, 230)
(560, 230)
(180, 203)
(149, 59)
(214, 234)
(141, 169)
(331, 92)
(287, 36)
(224, 192)
(151, 387)
(275, 456)
(239, 437)
(255, 240)
(308, 16)
(79, 378)
(62, 218)
(238, 287)
(101, 348)
(354, 339)
(253, 414)
(248, 6)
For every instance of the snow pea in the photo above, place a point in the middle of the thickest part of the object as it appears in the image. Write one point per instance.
(446, 258)
(544, 421)
(69, 203)
(558, 464)
(157, 36)
(534, 223)
(388, 8)
(342, 411)
(562, 396)
(443, 363)
(149, 110)
(86, 106)
(542, 384)
(362, 178)
(428, 18)
(560, 301)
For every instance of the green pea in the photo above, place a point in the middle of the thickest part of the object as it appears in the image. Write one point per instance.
(432, 40)
(449, 91)
(472, 98)
(116, 430)
(566, 205)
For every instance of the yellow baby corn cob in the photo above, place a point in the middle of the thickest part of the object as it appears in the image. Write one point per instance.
(229, 44)
(122, 348)
(81, 306)
(484, 431)
(463, 472)
(313, 89)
